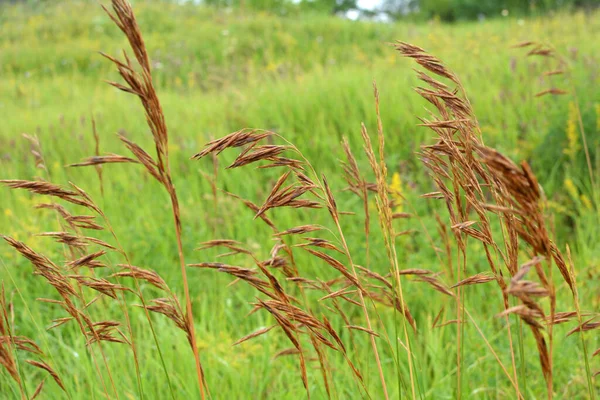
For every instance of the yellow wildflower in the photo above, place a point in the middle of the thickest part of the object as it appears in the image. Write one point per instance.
(586, 202)
(396, 192)
(361, 55)
(572, 135)
(191, 80)
(271, 66)
(571, 189)
(559, 208)
(8, 212)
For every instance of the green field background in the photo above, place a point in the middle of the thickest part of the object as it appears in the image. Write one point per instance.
(309, 78)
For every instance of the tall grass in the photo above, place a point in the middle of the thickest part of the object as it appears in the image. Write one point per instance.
(367, 330)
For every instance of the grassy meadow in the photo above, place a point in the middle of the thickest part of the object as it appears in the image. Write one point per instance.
(310, 79)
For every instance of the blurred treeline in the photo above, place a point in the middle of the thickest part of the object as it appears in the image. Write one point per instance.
(445, 10)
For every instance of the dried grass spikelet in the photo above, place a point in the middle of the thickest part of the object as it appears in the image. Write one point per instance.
(477, 279)
(20, 342)
(47, 189)
(104, 331)
(99, 160)
(58, 321)
(45, 267)
(337, 265)
(539, 49)
(233, 246)
(48, 368)
(566, 316)
(322, 243)
(279, 196)
(131, 271)
(144, 158)
(76, 222)
(245, 274)
(288, 196)
(100, 285)
(390, 299)
(36, 150)
(254, 334)
(88, 260)
(265, 152)
(38, 390)
(240, 138)
(362, 329)
(286, 352)
(255, 209)
(552, 91)
(299, 230)
(425, 60)
(170, 308)
(290, 331)
(588, 325)
(435, 284)
(76, 241)
(351, 171)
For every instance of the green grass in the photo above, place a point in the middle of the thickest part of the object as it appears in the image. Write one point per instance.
(309, 78)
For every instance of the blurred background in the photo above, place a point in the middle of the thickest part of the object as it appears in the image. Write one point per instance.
(389, 10)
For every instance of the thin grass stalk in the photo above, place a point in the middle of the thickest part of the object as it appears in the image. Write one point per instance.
(512, 382)
(188, 301)
(389, 234)
(97, 153)
(522, 355)
(550, 328)
(459, 331)
(588, 372)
